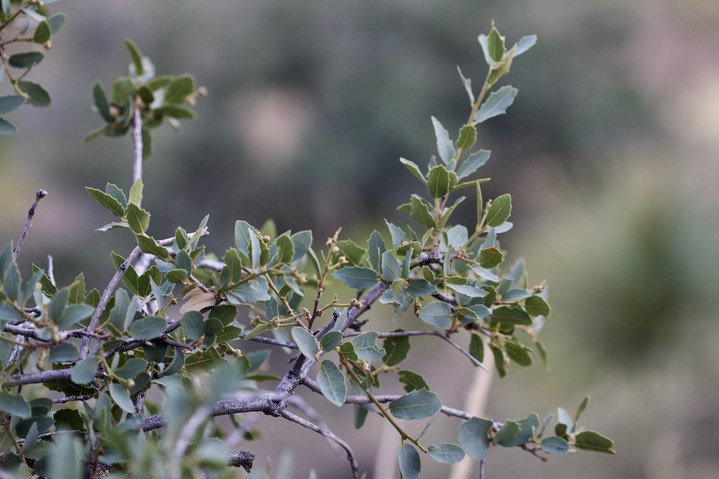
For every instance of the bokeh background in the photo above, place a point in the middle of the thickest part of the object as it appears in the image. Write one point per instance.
(610, 153)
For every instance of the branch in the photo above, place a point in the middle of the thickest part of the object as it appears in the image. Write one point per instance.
(385, 398)
(105, 298)
(39, 194)
(440, 334)
(241, 459)
(329, 435)
(137, 140)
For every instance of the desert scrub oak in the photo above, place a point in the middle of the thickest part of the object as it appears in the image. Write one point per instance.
(131, 381)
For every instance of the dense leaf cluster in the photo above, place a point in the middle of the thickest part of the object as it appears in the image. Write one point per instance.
(128, 379)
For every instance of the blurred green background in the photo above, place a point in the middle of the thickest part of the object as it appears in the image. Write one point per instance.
(610, 154)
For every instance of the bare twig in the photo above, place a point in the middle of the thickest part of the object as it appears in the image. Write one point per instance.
(329, 435)
(39, 194)
(241, 459)
(137, 140)
(105, 298)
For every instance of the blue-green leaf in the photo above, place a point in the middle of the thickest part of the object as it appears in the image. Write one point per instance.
(330, 340)
(375, 249)
(414, 169)
(391, 270)
(445, 147)
(415, 405)
(500, 210)
(473, 162)
(121, 397)
(437, 314)
(496, 104)
(409, 462)
(9, 103)
(356, 277)
(446, 453)
(84, 371)
(332, 383)
(302, 241)
(14, 405)
(305, 341)
(473, 437)
(251, 291)
(438, 183)
(468, 290)
(554, 445)
(365, 346)
(420, 287)
(193, 325)
(150, 327)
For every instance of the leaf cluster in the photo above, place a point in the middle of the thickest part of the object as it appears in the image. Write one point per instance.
(33, 27)
(140, 369)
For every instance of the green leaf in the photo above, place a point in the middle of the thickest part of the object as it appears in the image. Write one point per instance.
(593, 441)
(176, 276)
(64, 352)
(351, 250)
(356, 277)
(179, 112)
(76, 290)
(9, 103)
(473, 437)
(106, 201)
(416, 405)
(285, 248)
(476, 347)
(332, 383)
(148, 245)
(150, 327)
(414, 169)
(136, 192)
(330, 340)
(305, 341)
(137, 218)
(232, 272)
(473, 162)
(582, 407)
(537, 306)
(135, 57)
(100, 98)
(396, 349)
(375, 249)
(419, 210)
(411, 381)
(348, 350)
(84, 371)
(180, 88)
(25, 59)
(490, 257)
(500, 210)
(554, 445)
(409, 462)
(445, 148)
(467, 137)
(437, 314)
(495, 45)
(123, 92)
(7, 128)
(505, 435)
(42, 33)
(446, 453)
(365, 346)
(438, 182)
(193, 325)
(496, 104)
(121, 398)
(14, 405)
(203, 361)
(511, 315)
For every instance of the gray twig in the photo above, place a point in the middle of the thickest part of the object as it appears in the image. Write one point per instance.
(39, 194)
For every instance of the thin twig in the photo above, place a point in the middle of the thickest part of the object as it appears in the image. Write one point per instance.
(39, 194)
(105, 298)
(241, 459)
(137, 140)
(329, 435)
